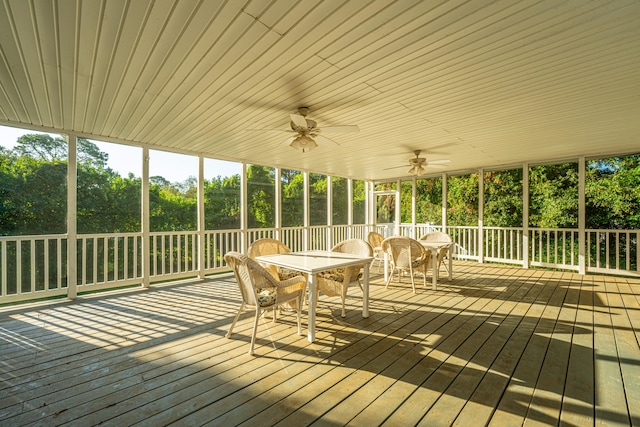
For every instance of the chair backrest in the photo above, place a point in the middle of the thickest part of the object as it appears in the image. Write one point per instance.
(436, 236)
(354, 246)
(267, 246)
(405, 251)
(375, 239)
(250, 276)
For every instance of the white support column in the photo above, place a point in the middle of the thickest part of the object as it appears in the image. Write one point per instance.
(201, 222)
(582, 221)
(305, 234)
(329, 235)
(278, 204)
(398, 220)
(244, 212)
(445, 190)
(525, 215)
(350, 234)
(481, 215)
(413, 207)
(72, 215)
(370, 217)
(145, 221)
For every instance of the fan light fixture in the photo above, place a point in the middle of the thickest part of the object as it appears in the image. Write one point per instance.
(416, 170)
(304, 143)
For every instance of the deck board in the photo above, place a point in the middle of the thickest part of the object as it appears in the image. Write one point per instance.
(496, 346)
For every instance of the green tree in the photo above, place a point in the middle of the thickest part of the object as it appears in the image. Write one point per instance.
(261, 196)
(317, 199)
(340, 200)
(359, 201)
(222, 203)
(503, 198)
(429, 200)
(462, 200)
(292, 183)
(553, 196)
(612, 192)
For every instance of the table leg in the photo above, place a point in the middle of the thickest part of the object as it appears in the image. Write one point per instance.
(434, 262)
(365, 291)
(311, 308)
(450, 255)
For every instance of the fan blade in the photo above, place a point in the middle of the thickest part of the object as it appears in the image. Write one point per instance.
(299, 120)
(343, 129)
(439, 162)
(394, 167)
(324, 138)
(271, 130)
(436, 166)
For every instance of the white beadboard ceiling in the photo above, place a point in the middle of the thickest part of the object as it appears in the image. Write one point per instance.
(487, 84)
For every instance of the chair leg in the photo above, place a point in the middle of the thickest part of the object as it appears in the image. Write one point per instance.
(255, 330)
(343, 296)
(413, 283)
(389, 279)
(233, 324)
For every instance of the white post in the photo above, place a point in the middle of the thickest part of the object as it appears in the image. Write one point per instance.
(350, 233)
(397, 220)
(305, 234)
(370, 217)
(525, 215)
(201, 222)
(278, 204)
(481, 215)
(444, 202)
(414, 219)
(582, 250)
(72, 216)
(329, 236)
(244, 214)
(145, 220)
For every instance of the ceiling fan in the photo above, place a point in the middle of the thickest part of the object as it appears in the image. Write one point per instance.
(306, 131)
(418, 164)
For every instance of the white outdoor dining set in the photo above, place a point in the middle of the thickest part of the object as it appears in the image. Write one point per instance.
(272, 277)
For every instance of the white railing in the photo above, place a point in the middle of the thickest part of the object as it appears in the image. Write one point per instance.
(32, 267)
(554, 248)
(293, 237)
(503, 244)
(36, 266)
(218, 243)
(173, 254)
(613, 251)
(466, 242)
(106, 260)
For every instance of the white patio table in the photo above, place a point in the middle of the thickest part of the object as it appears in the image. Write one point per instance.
(314, 262)
(435, 248)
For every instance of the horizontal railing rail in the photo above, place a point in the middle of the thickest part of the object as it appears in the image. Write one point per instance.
(34, 267)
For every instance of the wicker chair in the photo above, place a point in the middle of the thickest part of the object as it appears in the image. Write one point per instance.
(438, 236)
(268, 246)
(407, 255)
(261, 291)
(336, 282)
(375, 240)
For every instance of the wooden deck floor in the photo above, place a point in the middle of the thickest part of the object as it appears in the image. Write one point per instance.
(498, 346)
